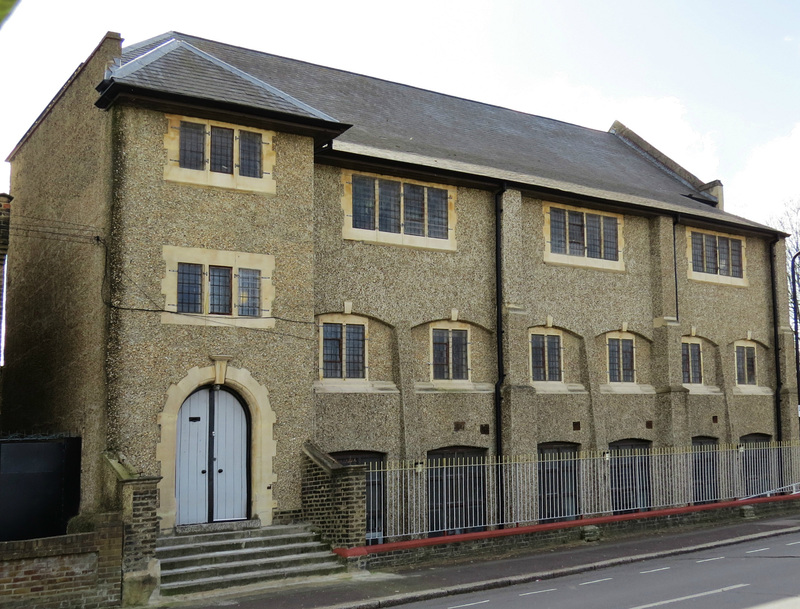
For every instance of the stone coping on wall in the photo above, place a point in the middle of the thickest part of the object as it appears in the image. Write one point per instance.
(551, 526)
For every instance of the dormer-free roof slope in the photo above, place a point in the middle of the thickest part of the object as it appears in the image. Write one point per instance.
(400, 123)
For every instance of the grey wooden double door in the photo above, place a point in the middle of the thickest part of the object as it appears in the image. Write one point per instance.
(211, 461)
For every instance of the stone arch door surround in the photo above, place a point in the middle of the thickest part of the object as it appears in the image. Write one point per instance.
(262, 449)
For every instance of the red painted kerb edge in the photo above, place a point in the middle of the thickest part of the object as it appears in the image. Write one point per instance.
(447, 539)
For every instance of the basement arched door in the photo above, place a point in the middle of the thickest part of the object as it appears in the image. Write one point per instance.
(211, 465)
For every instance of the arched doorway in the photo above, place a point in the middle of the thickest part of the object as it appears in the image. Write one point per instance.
(212, 457)
(630, 475)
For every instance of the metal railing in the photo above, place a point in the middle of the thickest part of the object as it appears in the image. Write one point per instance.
(411, 499)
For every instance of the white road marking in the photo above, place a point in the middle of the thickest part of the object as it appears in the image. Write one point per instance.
(468, 604)
(753, 551)
(655, 570)
(710, 559)
(596, 581)
(538, 591)
(690, 597)
(794, 543)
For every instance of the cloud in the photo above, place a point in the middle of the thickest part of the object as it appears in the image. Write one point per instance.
(768, 180)
(662, 121)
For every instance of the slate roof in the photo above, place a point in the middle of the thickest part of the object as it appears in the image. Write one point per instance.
(402, 123)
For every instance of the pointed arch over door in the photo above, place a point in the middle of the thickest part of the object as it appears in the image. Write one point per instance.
(212, 457)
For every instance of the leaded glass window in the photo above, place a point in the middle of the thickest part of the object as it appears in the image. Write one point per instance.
(343, 351)
(558, 231)
(250, 154)
(692, 363)
(450, 354)
(332, 351)
(363, 202)
(546, 357)
(221, 150)
(716, 255)
(219, 290)
(400, 207)
(621, 360)
(389, 211)
(354, 351)
(190, 288)
(193, 145)
(249, 292)
(437, 213)
(414, 209)
(577, 233)
(745, 365)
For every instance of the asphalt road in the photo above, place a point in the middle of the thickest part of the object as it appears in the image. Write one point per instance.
(764, 574)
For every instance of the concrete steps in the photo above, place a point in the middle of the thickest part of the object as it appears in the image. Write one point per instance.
(208, 561)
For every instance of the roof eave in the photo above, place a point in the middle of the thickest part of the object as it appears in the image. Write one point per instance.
(114, 92)
(376, 164)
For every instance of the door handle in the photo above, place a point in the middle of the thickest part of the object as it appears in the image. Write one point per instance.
(203, 471)
(219, 471)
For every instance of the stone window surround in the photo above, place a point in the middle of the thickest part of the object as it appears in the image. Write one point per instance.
(584, 261)
(207, 257)
(741, 282)
(748, 389)
(624, 387)
(173, 172)
(343, 320)
(348, 385)
(704, 388)
(546, 331)
(378, 236)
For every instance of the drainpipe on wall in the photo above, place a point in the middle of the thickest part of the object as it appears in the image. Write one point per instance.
(675, 222)
(794, 318)
(775, 338)
(498, 392)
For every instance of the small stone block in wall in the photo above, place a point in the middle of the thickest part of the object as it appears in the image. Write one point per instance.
(747, 511)
(590, 533)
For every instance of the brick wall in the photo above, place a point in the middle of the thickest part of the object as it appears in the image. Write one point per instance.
(76, 571)
(140, 498)
(334, 500)
(413, 553)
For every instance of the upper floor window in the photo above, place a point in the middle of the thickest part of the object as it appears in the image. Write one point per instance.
(716, 257)
(402, 212)
(210, 153)
(450, 351)
(621, 358)
(205, 287)
(344, 351)
(582, 237)
(546, 356)
(745, 364)
(692, 361)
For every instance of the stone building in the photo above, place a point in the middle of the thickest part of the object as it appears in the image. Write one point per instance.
(250, 252)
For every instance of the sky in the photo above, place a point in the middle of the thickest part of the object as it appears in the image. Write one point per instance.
(713, 84)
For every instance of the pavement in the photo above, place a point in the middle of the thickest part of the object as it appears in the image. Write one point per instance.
(389, 588)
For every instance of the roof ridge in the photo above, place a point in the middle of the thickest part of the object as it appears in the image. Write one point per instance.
(138, 45)
(394, 82)
(255, 81)
(145, 59)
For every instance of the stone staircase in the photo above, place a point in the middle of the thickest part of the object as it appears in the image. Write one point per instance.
(208, 561)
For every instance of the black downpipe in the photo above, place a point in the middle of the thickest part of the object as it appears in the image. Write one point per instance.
(498, 394)
(794, 318)
(775, 338)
